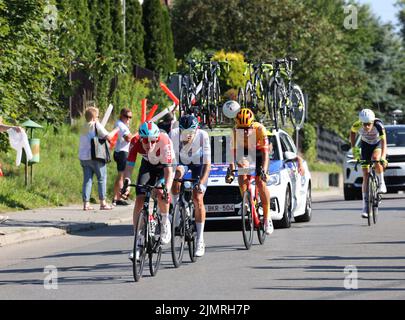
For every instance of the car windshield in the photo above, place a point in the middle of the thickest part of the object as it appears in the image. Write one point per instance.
(396, 137)
(274, 155)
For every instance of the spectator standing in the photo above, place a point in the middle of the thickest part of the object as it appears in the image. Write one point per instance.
(90, 129)
(121, 153)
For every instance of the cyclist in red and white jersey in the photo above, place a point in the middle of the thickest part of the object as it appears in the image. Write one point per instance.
(156, 150)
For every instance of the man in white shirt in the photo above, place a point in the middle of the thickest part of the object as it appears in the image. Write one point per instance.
(121, 153)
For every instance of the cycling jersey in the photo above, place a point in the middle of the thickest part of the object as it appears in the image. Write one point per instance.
(160, 155)
(374, 136)
(196, 152)
(261, 143)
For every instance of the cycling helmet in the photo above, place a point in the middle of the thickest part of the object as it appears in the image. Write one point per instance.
(244, 118)
(231, 109)
(188, 122)
(149, 129)
(366, 116)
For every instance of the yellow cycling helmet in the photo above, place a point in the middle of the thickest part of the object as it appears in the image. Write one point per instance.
(244, 118)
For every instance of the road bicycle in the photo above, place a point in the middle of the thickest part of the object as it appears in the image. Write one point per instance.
(253, 95)
(374, 197)
(285, 100)
(147, 240)
(211, 92)
(183, 223)
(251, 211)
(189, 90)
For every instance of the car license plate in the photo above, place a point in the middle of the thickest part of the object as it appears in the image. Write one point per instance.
(220, 207)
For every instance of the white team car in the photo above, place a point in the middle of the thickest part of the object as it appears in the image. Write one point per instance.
(394, 175)
(290, 192)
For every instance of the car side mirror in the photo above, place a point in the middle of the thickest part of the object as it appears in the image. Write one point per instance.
(345, 147)
(289, 156)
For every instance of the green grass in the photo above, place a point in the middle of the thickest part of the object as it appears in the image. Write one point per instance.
(57, 178)
(325, 167)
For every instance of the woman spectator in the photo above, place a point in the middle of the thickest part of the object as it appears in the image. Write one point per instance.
(91, 128)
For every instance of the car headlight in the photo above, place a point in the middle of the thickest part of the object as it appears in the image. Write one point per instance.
(274, 179)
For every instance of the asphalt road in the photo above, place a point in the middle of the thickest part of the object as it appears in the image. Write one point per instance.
(335, 256)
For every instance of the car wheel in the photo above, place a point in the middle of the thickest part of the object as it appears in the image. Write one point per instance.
(285, 222)
(351, 194)
(306, 217)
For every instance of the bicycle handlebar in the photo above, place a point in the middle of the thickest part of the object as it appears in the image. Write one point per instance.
(368, 162)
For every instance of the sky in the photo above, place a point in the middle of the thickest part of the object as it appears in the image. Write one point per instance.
(383, 8)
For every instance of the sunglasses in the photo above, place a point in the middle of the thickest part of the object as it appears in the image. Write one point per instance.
(366, 124)
(127, 116)
(149, 140)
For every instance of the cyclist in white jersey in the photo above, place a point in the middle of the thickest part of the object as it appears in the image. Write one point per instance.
(193, 152)
(373, 147)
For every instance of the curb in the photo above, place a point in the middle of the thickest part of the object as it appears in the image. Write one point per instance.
(48, 232)
(29, 235)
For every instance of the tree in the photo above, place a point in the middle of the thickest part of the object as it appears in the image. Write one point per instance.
(168, 41)
(134, 33)
(117, 22)
(29, 64)
(154, 45)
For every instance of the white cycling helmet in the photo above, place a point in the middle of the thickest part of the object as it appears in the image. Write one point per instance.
(231, 109)
(366, 116)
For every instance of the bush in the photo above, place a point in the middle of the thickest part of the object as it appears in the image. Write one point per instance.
(231, 76)
(309, 142)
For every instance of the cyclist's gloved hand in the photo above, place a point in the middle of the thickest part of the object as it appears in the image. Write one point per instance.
(264, 176)
(229, 176)
(356, 153)
(384, 162)
(125, 190)
(199, 187)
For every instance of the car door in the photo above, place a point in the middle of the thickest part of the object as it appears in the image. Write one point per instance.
(288, 145)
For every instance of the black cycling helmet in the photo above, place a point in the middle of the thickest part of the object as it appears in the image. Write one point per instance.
(188, 122)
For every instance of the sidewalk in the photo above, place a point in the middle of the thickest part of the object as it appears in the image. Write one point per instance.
(30, 225)
(38, 224)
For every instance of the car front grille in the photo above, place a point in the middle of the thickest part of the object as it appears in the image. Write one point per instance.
(389, 180)
(396, 158)
(222, 194)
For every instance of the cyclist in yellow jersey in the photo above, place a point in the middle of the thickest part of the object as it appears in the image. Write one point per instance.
(252, 137)
(373, 147)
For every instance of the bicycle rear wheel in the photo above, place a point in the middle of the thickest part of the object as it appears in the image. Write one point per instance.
(247, 220)
(155, 250)
(297, 107)
(261, 234)
(178, 234)
(140, 246)
(191, 232)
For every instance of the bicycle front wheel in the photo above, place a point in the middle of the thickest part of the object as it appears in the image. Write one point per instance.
(191, 231)
(297, 107)
(140, 246)
(178, 234)
(370, 203)
(241, 97)
(376, 201)
(155, 250)
(273, 102)
(261, 234)
(247, 220)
